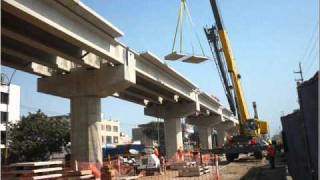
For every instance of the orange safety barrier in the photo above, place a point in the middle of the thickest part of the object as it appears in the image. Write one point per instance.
(216, 160)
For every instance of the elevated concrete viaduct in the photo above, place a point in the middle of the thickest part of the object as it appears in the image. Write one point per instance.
(77, 56)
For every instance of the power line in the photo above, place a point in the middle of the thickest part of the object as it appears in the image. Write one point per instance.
(312, 59)
(311, 65)
(311, 51)
(313, 34)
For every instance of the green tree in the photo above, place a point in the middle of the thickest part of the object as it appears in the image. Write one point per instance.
(37, 136)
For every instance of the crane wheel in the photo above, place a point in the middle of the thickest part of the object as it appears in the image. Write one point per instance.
(232, 156)
(258, 155)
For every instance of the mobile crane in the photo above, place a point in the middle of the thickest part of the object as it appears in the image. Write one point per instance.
(252, 131)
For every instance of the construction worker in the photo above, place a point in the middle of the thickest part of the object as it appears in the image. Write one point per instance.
(156, 151)
(180, 154)
(271, 152)
(162, 164)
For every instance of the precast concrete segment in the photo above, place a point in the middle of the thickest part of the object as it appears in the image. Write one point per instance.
(85, 134)
(173, 136)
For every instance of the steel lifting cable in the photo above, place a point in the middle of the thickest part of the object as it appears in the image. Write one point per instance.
(192, 26)
(184, 11)
(177, 27)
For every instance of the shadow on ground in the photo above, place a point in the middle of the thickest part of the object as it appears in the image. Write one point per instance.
(266, 173)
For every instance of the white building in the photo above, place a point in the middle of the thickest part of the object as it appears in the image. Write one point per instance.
(9, 107)
(125, 139)
(110, 132)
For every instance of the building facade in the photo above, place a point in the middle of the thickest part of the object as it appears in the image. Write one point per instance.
(9, 107)
(110, 132)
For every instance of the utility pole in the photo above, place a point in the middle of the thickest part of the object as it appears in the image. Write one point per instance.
(299, 72)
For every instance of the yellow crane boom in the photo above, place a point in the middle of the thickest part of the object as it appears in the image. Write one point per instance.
(248, 126)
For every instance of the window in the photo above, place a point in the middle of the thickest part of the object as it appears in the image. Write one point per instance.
(108, 127)
(115, 128)
(102, 127)
(3, 137)
(4, 117)
(109, 140)
(4, 98)
(115, 139)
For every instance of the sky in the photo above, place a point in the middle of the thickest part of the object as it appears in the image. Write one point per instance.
(268, 39)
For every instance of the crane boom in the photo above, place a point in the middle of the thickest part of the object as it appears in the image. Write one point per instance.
(232, 69)
(252, 130)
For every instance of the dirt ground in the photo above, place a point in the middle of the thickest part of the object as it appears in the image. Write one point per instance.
(245, 168)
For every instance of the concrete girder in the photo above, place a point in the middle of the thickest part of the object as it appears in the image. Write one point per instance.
(172, 110)
(139, 96)
(63, 22)
(20, 64)
(152, 69)
(209, 103)
(74, 56)
(50, 61)
(155, 93)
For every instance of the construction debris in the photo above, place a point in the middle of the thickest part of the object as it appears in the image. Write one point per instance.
(82, 174)
(181, 164)
(36, 170)
(194, 171)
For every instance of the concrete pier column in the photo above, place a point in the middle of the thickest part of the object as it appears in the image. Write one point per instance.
(173, 136)
(205, 136)
(221, 136)
(85, 134)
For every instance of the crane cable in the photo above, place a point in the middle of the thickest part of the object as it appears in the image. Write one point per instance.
(183, 12)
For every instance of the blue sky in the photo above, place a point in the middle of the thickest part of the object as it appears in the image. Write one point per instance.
(268, 39)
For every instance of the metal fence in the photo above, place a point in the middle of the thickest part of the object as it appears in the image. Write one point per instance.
(300, 130)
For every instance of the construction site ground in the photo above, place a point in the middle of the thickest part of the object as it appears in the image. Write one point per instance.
(245, 168)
